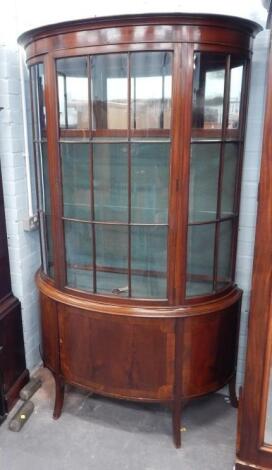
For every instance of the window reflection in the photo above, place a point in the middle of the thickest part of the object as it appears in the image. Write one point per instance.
(109, 91)
(208, 90)
(73, 93)
(151, 87)
(236, 77)
(37, 86)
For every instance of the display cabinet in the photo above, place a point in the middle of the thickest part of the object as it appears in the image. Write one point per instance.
(138, 126)
(13, 372)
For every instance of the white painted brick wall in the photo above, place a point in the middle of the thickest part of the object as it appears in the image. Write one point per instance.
(24, 247)
(250, 180)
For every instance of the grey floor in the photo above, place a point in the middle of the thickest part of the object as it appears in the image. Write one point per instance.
(96, 433)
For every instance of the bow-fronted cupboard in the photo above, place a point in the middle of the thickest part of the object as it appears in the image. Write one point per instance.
(138, 136)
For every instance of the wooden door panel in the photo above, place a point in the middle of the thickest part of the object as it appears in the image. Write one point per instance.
(130, 357)
(210, 345)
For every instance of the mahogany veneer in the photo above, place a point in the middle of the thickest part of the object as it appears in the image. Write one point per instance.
(177, 347)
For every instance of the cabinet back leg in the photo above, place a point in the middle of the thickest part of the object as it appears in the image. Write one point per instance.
(232, 393)
(59, 398)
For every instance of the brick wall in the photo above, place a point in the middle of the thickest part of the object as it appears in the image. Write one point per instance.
(248, 208)
(23, 246)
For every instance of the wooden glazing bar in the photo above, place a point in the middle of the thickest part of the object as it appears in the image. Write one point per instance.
(125, 224)
(91, 157)
(214, 221)
(129, 168)
(199, 133)
(107, 133)
(119, 270)
(182, 123)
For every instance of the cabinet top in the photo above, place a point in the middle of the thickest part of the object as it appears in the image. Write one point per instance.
(145, 19)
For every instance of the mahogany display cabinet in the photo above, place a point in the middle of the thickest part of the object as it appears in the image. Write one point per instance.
(138, 125)
(13, 372)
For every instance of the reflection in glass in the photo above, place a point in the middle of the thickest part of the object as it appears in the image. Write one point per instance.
(236, 77)
(37, 91)
(109, 91)
(229, 179)
(79, 263)
(73, 93)
(149, 182)
(268, 424)
(45, 207)
(76, 181)
(208, 90)
(151, 89)
(49, 245)
(111, 259)
(200, 258)
(204, 173)
(110, 166)
(224, 253)
(41, 148)
(148, 262)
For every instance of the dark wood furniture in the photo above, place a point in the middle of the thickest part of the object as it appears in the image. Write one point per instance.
(138, 134)
(13, 372)
(254, 444)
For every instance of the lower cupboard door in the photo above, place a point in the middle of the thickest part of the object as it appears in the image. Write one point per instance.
(118, 355)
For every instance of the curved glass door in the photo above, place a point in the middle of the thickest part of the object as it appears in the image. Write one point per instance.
(41, 165)
(114, 127)
(214, 171)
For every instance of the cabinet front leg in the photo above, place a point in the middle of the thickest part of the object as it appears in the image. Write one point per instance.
(59, 398)
(176, 422)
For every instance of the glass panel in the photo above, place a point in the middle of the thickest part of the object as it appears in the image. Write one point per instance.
(148, 262)
(37, 91)
(79, 262)
(110, 162)
(109, 91)
(149, 182)
(49, 246)
(45, 207)
(112, 259)
(200, 259)
(151, 89)
(224, 254)
(73, 93)
(76, 174)
(268, 424)
(208, 90)
(229, 178)
(41, 148)
(236, 78)
(204, 173)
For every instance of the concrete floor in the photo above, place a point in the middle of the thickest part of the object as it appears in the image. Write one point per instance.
(96, 433)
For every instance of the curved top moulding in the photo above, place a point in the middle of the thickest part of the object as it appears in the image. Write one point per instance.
(159, 27)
